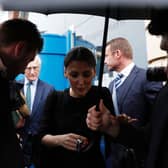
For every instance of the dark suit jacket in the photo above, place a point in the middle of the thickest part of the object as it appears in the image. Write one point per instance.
(42, 91)
(136, 95)
(10, 151)
(31, 127)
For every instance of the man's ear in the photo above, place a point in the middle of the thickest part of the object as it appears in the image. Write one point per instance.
(19, 48)
(118, 53)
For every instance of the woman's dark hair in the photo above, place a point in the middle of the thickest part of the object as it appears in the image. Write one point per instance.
(158, 24)
(80, 54)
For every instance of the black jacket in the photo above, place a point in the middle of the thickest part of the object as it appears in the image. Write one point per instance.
(10, 151)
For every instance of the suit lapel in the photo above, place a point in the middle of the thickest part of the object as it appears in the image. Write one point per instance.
(123, 90)
(37, 97)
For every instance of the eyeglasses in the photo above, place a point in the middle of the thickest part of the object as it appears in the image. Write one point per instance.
(35, 68)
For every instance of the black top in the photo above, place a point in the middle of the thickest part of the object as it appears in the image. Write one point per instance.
(65, 114)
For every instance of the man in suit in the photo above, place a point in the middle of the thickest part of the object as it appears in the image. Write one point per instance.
(20, 41)
(39, 92)
(153, 137)
(135, 94)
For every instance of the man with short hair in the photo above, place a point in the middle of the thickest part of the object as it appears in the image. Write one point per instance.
(135, 95)
(20, 41)
(134, 91)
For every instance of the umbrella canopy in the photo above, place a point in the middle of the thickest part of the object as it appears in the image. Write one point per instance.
(119, 9)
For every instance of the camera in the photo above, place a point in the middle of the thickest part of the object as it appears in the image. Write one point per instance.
(157, 74)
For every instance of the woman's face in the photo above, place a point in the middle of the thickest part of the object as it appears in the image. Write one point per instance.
(80, 76)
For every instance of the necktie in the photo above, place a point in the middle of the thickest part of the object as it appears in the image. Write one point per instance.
(117, 83)
(28, 95)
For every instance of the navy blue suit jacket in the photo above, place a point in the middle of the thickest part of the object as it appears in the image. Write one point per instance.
(42, 91)
(136, 95)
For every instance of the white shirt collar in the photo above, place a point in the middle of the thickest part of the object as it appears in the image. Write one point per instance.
(126, 71)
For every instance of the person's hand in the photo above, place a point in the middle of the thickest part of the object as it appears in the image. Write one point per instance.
(20, 123)
(21, 120)
(125, 119)
(73, 141)
(102, 120)
(70, 141)
(98, 120)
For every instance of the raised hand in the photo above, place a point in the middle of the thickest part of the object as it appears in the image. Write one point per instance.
(102, 120)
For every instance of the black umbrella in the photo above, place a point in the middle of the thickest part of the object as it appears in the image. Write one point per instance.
(117, 9)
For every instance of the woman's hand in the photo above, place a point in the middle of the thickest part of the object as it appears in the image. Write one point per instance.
(70, 141)
(73, 142)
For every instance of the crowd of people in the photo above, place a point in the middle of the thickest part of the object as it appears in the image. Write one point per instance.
(65, 127)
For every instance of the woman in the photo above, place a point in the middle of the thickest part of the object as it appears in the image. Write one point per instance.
(64, 135)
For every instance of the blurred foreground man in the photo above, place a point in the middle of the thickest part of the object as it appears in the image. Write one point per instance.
(20, 41)
(153, 138)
